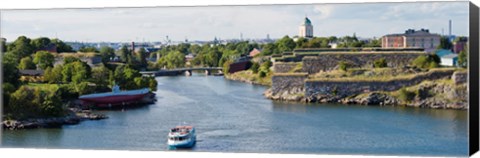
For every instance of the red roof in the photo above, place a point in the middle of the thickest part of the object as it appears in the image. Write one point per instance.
(254, 52)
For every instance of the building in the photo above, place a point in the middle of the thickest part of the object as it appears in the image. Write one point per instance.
(412, 39)
(459, 44)
(306, 29)
(254, 52)
(447, 57)
(52, 48)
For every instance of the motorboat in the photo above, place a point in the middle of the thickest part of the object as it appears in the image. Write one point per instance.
(182, 137)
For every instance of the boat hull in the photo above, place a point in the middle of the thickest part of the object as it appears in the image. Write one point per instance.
(114, 99)
(182, 144)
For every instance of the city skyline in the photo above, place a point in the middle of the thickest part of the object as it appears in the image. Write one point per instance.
(231, 22)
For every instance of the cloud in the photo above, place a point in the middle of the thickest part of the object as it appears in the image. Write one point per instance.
(324, 11)
(205, 23)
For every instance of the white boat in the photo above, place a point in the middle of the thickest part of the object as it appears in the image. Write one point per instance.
(182, 137)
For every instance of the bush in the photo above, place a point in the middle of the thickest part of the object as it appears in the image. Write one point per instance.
(262, 74)
(426, 62)
(226, 66)
(255, 66)
(342, 66)
(406, 95)
(380, 63)
(35, 103)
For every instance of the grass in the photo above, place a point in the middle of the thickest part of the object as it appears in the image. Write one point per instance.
(371, 75)
(248, 75)
(44, 86)
(77, 54)
(297, 68)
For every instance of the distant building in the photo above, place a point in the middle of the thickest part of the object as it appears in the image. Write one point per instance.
(254, 52)
(92, 61)
(52, 48)
(412, 39)
(459, 44)
(306, 29)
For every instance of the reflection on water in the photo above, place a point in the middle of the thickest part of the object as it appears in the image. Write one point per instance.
(231, 116)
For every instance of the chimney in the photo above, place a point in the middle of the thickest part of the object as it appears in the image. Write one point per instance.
(133, 48)
(449, 28)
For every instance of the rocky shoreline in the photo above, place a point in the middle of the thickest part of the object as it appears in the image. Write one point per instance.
(74, 116)
(385, 99)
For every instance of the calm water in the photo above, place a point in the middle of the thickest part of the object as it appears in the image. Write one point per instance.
(232, 116)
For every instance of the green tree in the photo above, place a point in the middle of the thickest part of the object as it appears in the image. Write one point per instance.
(124, 76)
(35, 103)
(255, 67)
(124, 53)
(226, 66)
(88, 49)
(285, 44)
(444, 43)
(173, 59)
(76, 72)
(53, 75)
(301, 42)
(21, 47)
(269, 49)
(26, 63)
(70, 59)
(40, 43)
(106, 53)
(463, 58)
(43, 59)
(61, 46)
(11, 73)
(99, 75)
(142, 57)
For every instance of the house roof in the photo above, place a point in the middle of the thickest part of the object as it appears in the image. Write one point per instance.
(31, 72)
(254, 52)
(443, 52)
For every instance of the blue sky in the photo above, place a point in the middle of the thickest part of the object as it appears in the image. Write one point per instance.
(226, 22)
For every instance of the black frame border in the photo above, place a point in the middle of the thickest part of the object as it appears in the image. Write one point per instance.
(473, 78)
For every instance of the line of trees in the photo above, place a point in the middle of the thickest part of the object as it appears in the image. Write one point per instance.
(215, 54)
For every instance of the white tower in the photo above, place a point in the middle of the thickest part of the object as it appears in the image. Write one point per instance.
(306, 29)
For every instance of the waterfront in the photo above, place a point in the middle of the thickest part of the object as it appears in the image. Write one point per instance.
(232, 116)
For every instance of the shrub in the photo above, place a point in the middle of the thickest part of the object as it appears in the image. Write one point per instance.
(430, 61)
(379, 63)
(342, 66)
(406, 95)
(255, 66)
(262, 74)
(226, 66)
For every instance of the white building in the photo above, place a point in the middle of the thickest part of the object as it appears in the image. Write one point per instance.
(449, 60)
(306, 29)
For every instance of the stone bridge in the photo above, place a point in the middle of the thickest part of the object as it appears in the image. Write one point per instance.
(180, 71)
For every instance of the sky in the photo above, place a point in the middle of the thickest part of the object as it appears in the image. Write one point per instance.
(228, 22)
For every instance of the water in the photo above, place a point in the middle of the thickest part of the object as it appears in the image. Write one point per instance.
(232, 116)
